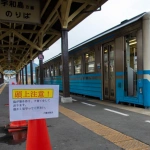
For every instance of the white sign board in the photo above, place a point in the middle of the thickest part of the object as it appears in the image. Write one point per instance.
(27, 11)
(29, 102)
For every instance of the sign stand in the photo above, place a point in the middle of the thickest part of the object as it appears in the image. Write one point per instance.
(16, 125)
(34, 103)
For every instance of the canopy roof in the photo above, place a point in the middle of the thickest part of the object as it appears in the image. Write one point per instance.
(10, 72)
(21, 42)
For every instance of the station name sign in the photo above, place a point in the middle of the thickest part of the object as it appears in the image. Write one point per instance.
(27, 11)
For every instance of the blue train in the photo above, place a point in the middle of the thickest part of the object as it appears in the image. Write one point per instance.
(113, 65)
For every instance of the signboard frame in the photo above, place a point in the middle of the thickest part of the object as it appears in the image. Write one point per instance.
(26, 11)
(29, 102)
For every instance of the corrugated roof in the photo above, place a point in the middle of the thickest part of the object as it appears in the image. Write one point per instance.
(9, 72)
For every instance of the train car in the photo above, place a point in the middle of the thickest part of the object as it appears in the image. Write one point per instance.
(113, 65)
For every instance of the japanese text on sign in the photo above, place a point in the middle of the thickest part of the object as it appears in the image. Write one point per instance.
(20, 10)
(31, 94)
(25, 105)
(28, 102)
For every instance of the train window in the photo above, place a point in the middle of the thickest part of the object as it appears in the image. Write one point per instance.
(77, 65)
(44, 72)
(47, 72)
(90, 62)
(56, 70)
(131, 65)
(52, 71)
(60, 69)
(70, 67)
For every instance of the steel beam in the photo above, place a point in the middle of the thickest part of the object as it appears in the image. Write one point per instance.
(14, 46)
(90, 2)
(26, 40)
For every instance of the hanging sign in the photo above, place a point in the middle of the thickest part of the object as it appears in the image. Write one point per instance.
(28, 102)
(27, 11)
(40, 56)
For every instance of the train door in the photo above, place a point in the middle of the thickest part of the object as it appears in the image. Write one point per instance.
(108, 71)
(131, 65)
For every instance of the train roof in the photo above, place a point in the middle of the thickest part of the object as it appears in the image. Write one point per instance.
(122, 24)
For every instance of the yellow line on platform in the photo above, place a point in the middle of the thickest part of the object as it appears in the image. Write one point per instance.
(118, 138)
(2, 88)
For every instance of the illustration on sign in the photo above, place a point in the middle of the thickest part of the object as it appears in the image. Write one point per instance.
(33, 102)
(20, 10)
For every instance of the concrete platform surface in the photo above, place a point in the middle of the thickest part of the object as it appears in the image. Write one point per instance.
(87, 124)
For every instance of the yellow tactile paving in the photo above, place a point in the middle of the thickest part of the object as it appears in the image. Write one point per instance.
(132, 145)
(119, 139)
(2, 88)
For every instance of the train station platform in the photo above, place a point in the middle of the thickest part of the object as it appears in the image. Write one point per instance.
(86, 124)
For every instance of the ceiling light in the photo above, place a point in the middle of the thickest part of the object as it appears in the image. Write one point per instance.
(87, 55)
(132, 40)
(132, 43)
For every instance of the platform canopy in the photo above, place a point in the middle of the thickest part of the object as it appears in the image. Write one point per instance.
(28, 27)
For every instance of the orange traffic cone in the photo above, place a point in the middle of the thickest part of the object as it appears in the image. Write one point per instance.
(37, 136)
(19, 136)
(17, 125)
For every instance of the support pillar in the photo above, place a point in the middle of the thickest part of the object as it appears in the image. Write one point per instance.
(31, 72)
(65, 67)
(22, 76)
(17, 77)
(2, 78)
(37, 76)
(41, 70)
(26, 75)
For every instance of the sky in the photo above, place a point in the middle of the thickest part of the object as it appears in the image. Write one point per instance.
(112, 13)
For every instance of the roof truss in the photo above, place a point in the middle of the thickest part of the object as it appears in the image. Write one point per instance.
(20, 42)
